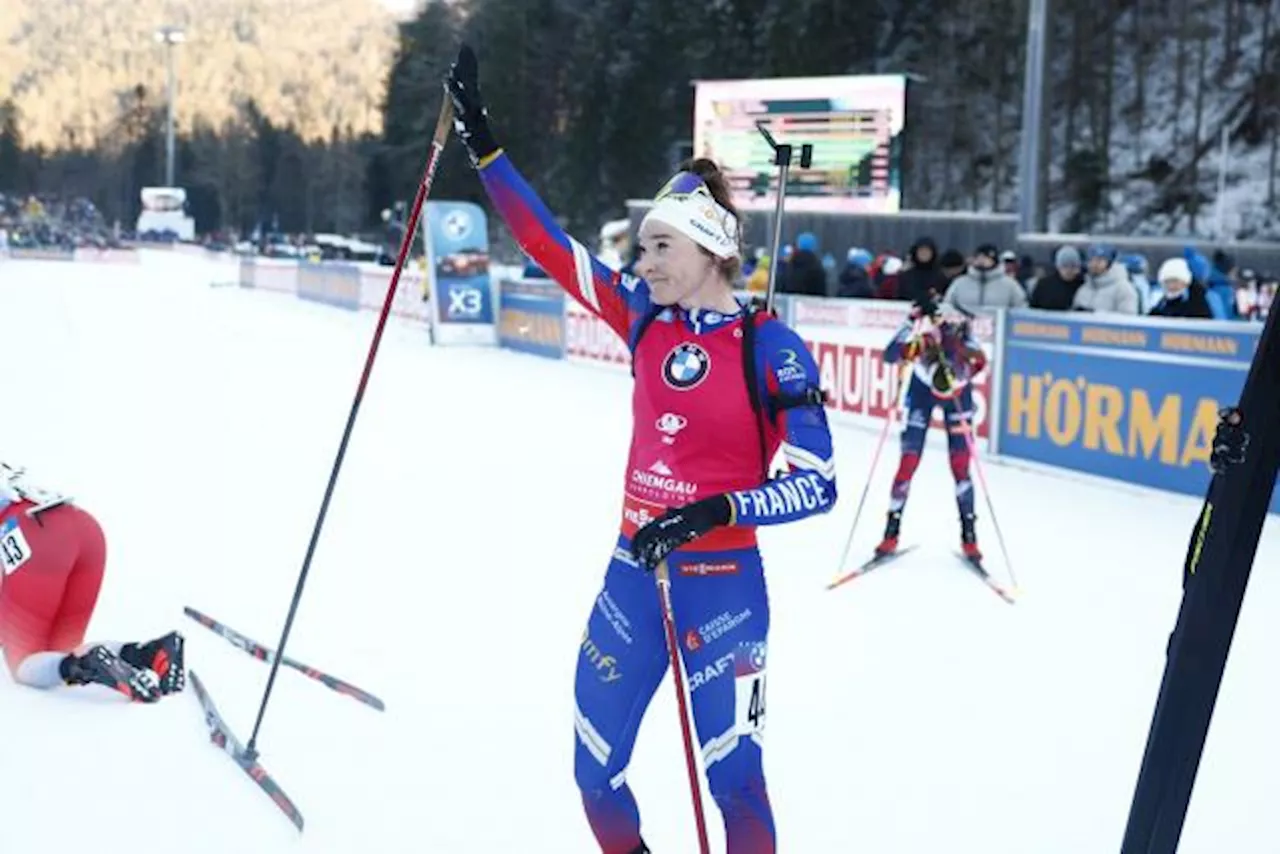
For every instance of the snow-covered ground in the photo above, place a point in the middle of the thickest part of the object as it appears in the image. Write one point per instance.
(911, 711)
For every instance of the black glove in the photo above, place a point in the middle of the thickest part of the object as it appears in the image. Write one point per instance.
(1229, 440)
(652, 543)
(925, 306)
(470, 118)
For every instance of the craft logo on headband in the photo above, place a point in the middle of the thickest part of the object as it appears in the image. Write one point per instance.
(685, 203)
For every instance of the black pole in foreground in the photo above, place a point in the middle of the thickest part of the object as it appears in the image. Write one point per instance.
(1219, 560)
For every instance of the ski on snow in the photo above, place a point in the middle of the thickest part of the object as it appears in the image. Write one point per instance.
(875, 562)
(264, 653)
(974, 564)
(220, 734)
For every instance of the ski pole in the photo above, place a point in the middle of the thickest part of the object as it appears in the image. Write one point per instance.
(663, 575)
(441, 136)
(899, 401)
(971, 441)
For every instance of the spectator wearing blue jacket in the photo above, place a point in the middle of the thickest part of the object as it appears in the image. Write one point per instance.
(855, 279)
(1216, 278)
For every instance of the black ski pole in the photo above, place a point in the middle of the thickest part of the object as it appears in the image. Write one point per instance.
(1215, 577)
(438, 140)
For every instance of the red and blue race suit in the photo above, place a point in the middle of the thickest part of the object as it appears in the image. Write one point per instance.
(695, 434)
(956, 346)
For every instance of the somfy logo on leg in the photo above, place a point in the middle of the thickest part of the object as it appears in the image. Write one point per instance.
(606, 665)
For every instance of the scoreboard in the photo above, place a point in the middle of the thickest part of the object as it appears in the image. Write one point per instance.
(854, 123)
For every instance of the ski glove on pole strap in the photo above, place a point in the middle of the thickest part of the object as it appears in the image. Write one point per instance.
(470, 118)
(678, 526)
(1229, 441)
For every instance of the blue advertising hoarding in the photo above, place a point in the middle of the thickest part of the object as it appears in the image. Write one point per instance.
(326, 282)
(1134, 399)
(531, 317)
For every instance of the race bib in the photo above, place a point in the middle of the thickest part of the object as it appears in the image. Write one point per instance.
(749, 688)
(14, 551)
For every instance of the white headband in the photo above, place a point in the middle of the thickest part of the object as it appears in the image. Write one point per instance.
(700, 218)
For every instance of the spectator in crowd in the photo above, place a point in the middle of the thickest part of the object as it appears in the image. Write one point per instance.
(876, 263)
(1136, 266)
(1216, 280)
(886, 280)
(923, 275)
(784, 268)
(1106, 285)
(51, 221)
(615, 243)
(952, 264)
(985, 285)
(1266, 294)
(1009, 261)
(1182, 296)
(1222, 280)
(829, 266)
(805, 276)
(758, 281)
(1055, 291)
(855, 278)
(1028, 273)
(1248, 302)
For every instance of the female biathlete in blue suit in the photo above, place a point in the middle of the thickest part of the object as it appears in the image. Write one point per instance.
(719, 390)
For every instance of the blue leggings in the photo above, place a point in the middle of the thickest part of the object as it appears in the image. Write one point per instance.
(722, 622)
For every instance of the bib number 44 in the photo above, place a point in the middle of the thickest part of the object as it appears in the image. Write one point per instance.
(750, 688)
(755, 708)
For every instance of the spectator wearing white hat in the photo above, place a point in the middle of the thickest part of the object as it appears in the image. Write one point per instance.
(615, 243)
(1182, 297)
(889, 278)
(1009, 261)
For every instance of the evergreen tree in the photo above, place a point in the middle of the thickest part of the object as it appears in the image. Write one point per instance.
(10, 148)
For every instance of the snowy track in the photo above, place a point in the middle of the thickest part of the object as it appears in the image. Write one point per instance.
(911, 712)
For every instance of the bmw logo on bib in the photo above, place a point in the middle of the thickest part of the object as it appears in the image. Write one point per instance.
(686, 366)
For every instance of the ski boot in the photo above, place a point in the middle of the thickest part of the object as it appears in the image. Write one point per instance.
(101, 666)
(643, 849)
(969, 537)
(889, 544)
(163, 657)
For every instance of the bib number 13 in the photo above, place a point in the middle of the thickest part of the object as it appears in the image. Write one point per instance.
(14, 551)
